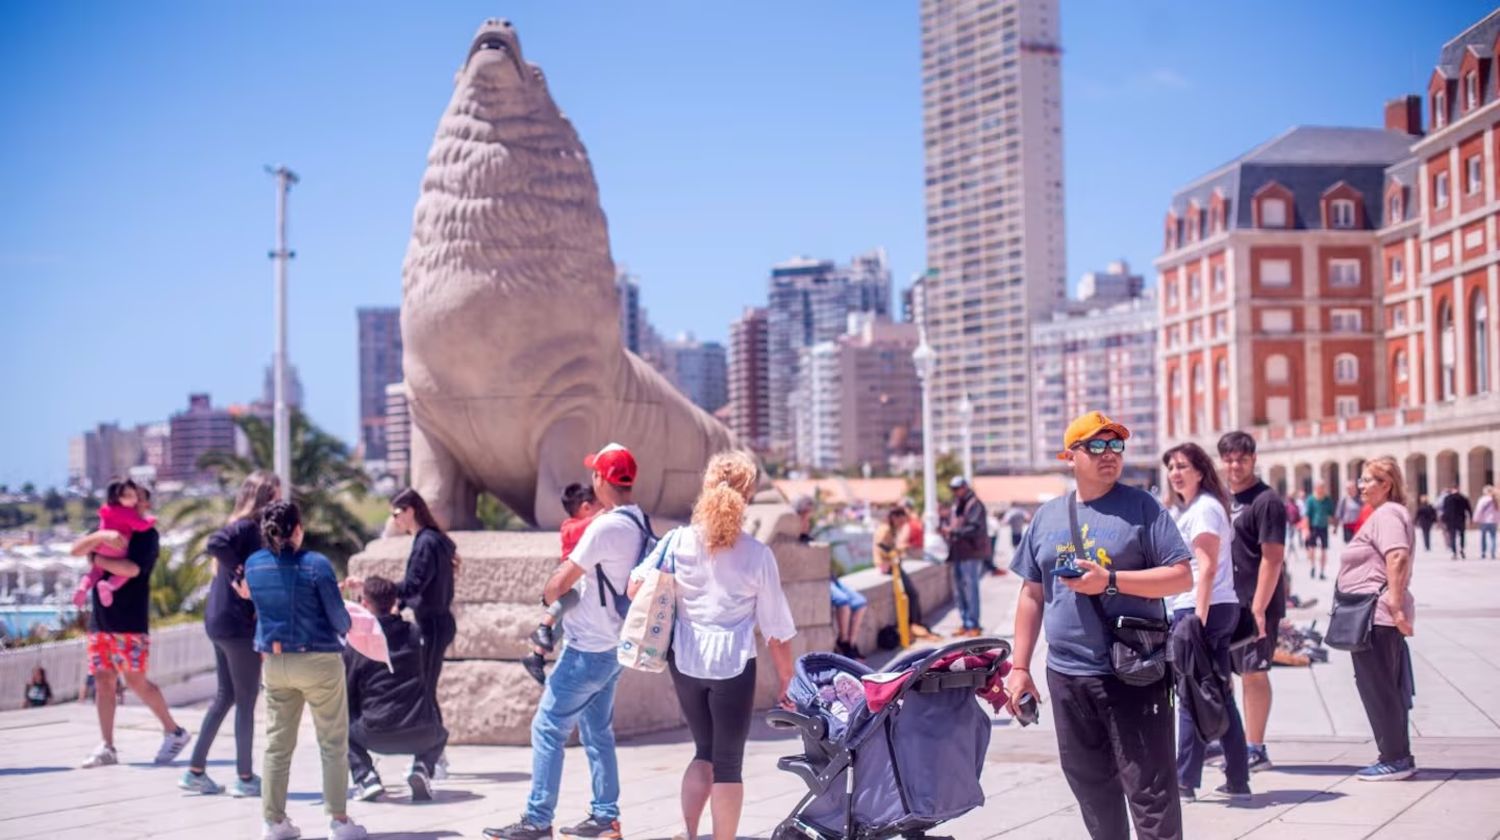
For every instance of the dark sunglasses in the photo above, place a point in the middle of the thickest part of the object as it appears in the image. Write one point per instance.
(1097, 446)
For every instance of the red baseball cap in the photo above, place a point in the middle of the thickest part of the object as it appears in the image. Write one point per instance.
(614, 464)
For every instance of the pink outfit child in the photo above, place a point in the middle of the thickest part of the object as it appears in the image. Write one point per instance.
(127, 522)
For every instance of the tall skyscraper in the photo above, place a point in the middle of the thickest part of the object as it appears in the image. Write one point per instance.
(397, 433)
(195, 432)
(749, 386)
(858, 400)
(294, 393)
(628, 287)
(698, 369)
(379, 366)
(992, 116)
(809, 303)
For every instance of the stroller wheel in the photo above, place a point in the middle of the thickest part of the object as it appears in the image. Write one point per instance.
(792, 829)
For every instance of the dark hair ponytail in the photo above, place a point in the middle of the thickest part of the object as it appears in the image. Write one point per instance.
(277, 523)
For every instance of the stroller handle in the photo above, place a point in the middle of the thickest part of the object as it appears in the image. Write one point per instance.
(812, 727)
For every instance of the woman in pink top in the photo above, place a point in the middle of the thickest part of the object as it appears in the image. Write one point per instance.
(1378, 559)
(119, 515)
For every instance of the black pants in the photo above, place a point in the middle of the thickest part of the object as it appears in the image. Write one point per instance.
(718, 713)
(1427, 537)
(1455, 539)
(913, 600)
(438, 631)
(1383, 675)
(1115, 746)
(238, 668)
(425, 743)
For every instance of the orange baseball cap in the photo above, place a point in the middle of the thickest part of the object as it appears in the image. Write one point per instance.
(1086, 426)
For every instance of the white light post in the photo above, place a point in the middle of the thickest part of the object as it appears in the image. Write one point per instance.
(281, 416)
(923, 358)
(966, 421)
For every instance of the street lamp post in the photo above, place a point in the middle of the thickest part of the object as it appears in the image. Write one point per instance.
(966, 421)
(281, 415)
(923, 358)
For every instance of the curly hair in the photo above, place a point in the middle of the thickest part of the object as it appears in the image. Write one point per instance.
(277, 523)
(728, 484)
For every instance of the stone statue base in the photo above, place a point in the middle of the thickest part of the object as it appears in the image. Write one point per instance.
(487, 698)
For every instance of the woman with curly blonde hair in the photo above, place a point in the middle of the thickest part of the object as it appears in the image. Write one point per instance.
(727, 586)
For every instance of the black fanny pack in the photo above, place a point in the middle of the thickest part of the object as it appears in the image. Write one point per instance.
(1138, 652)
(1350, 622)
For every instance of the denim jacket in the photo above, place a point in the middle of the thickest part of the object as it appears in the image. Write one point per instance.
(297, 602)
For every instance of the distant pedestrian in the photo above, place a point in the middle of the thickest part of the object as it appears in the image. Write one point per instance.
(229, 620)
(38, 691)
(1348, 510)
(1426, 518)
(890, 548)
(728, 587)
(1379, 560)
(300, 616)
(1487, 516)
(1319, 512)
(968, 546)
(1454, 512)
(1293, 526)
(1016, 519)
(1114, 738)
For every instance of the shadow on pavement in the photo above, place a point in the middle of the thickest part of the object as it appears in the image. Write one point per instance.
(500, 777)
(1276, 798)
(30, 771)
(413, 835)
(1318, 769)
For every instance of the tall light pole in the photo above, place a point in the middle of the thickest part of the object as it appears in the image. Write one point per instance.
(923, 358)
(966, 421)
(281, 419)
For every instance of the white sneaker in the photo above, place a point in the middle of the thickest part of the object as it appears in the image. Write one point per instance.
(172, 745)
(348, 830)
(440, 770)
(102, 755)
(283, 830)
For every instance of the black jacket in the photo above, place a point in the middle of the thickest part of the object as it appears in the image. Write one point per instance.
(390, 699)
(226, 615)
(1201, 689)
(968, 535)
(428, 585)
(1456, 510)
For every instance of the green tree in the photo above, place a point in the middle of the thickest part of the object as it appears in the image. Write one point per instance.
(324, 480)
(54, 503)
(948, 466)
(28, 489)
(495, 516)
(177, 585)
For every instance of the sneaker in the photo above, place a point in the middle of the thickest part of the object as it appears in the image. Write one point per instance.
(543, 638)
(421, 787)
(1312, 573)
(346, 830)
(102, 755)
(246, 788)
(283, 830)
(522, 830)
(199, 783)
(440, 770)
(1322, 576)
(533, 663)
(369, 788)
(1235, 793)
(1186, 794)
(592, 826)
(1389, 772)
(1259, 759)
(172, 745)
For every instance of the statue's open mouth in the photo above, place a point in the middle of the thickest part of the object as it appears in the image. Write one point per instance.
(496, 43)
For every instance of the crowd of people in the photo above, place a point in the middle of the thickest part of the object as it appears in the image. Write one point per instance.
(1108, 573)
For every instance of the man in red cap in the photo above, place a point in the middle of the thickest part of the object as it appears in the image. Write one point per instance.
(1115, 739)
(581, 689)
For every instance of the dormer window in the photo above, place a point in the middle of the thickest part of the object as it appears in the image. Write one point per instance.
(1471, 91)
(1440, 190)
(1341, 211)
(1273, 213)
(1440, 109)
(1395, 208)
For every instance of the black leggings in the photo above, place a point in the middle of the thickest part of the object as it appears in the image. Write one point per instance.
(238, 668)
(438, 631)
(718, 713)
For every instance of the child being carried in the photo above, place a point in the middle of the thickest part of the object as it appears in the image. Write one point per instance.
(579, 501)
(119, 515)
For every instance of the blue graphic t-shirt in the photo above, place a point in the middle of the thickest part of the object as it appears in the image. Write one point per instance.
(1125, 530)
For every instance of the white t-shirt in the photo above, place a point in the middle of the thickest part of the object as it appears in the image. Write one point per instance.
(613, 542)
(1206, 516)
(721, 599)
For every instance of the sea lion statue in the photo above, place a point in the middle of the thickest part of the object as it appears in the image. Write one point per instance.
(513, 361)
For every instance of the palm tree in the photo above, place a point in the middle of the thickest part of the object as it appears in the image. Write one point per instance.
(177, 585)
(323, 477)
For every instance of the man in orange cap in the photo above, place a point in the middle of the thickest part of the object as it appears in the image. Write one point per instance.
(1115, 739)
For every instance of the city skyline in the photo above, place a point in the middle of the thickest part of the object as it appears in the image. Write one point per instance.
(168, 200)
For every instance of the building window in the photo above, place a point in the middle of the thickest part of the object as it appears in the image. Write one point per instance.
(1474, 180)
(1221, 373)
(1221, 325)
(1343, 274)
(1278, 370)
(1447, 353)
(1199, 385)
(1471, 91)
(1272, 213)
(1403, 368)
(1195, 332)
(1440, 190)
(1345, 406)
(1395, 209)
(1440, 109)
(1218, 280)
(1441, 250)
(1398, 271)
(1479, 340)
(1276, 273)
(1342, 211)
(1223, 415)
(1195, 286)
(1346, 369)
(1398, 316)
(1276, 321)
(1346, 321)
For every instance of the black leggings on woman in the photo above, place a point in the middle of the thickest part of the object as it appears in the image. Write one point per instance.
(238, 668)
(718, 713)
(438, 632)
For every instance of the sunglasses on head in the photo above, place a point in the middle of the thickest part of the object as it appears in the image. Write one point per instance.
(1098, 446)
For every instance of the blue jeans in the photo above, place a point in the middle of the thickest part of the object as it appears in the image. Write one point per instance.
(1487, 540)
(580, 690)
(1222, 619)
(966, 575)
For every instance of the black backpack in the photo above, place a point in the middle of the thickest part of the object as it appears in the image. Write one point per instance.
(648, 542)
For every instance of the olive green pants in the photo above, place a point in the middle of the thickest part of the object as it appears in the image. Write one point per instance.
(293, 680)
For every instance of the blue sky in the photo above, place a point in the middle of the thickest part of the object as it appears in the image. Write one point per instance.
(725, 137)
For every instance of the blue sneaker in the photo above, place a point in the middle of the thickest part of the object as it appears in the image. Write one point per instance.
(247, 788)
(1393, 771)
(1260, 759)
(199, 783)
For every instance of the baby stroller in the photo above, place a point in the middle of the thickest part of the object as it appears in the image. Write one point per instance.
(904, 768)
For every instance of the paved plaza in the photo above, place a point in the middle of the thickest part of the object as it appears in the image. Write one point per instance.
(1318, 739)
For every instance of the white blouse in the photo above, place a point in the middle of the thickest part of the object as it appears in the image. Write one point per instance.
(721, 599)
